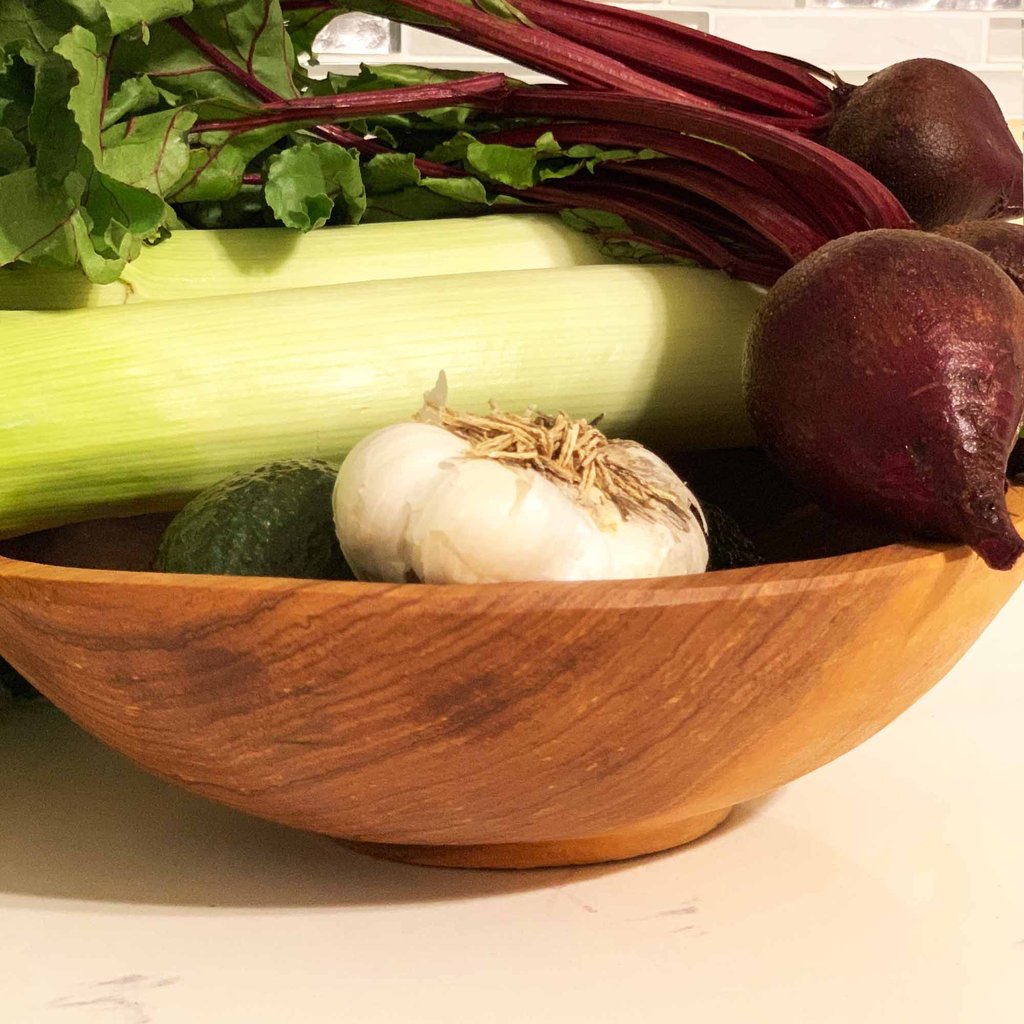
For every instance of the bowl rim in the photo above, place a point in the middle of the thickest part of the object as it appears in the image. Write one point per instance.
(774, 578)
(778, 577)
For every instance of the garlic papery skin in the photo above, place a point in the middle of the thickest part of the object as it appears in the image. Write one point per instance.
(383, 481)
(448, 498)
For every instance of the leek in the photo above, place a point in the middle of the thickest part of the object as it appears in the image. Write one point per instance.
(192, 264)
(117, 411)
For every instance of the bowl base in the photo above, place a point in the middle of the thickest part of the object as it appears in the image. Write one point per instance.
(623, 845)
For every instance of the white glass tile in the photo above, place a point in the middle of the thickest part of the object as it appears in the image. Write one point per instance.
(766, 5)
(691, 19)
(873, 39)
(418, 42)
(1005, 37)
(920, 5)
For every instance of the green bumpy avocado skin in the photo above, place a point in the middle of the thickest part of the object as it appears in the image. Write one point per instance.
(273, 521)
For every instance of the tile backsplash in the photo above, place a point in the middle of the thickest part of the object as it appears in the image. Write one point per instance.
(851, 37)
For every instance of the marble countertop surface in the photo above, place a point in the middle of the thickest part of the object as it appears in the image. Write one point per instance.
(886, 888)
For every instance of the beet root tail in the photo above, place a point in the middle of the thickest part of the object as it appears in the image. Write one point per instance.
(998, 543)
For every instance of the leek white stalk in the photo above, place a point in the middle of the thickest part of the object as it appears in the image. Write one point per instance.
(192, 264)
(450, 498)
(137, 408)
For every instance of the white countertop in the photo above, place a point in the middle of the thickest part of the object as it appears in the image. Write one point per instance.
(886, 888)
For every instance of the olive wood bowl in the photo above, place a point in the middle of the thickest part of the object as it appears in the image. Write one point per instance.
(488, 726)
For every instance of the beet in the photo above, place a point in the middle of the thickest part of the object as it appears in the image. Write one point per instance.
(1001, 240)
(934, 134)
(884, 374)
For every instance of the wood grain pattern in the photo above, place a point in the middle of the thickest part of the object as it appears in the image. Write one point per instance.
(508, 725)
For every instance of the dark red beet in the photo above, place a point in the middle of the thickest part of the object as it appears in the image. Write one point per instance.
(884, 374)
(1001, 240)
(934, 134)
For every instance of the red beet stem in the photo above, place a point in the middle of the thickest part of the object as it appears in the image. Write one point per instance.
(672, 59)
(728, 162)
(756, 260)
(795, 238)
(328, 132)
(222, 61)
(452, 91)
(953, 158)
(592, 44)
(539, 50)
(480, 90)
(279, 110)
(839, 179)
(660, 214)
(656, 216)
(705, 214)
(647, 27)
(254, 86)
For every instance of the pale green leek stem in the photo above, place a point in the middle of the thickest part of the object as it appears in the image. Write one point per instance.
(111, 411)
(192, 264)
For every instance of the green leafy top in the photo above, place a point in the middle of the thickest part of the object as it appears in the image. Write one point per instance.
(119, 119)
(98, 101)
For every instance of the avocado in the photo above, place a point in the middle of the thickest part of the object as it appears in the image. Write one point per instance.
(277, 520)
(728, 545)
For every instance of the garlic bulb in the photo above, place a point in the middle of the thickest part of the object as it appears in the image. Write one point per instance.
(450, 498)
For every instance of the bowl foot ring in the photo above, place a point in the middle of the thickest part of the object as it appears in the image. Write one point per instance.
(622, 845)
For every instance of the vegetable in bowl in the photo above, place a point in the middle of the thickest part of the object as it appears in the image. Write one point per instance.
(271, 521)
(454, 498)
(886, 374)
(158, 117)
(151, 403)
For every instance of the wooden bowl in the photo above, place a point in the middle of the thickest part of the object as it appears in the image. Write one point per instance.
(488, 726)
